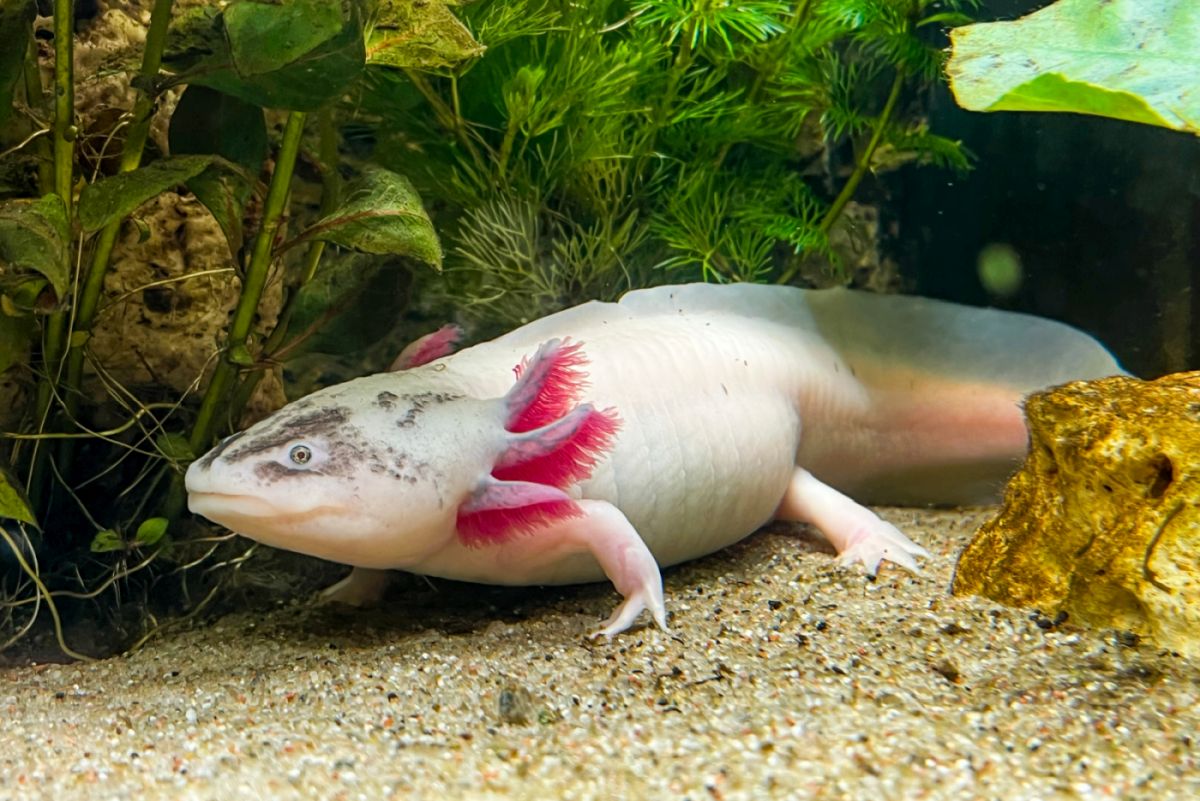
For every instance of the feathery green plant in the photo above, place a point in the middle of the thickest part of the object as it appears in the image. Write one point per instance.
(668, 140)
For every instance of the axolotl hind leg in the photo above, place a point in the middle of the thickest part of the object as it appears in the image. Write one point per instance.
(858, 534)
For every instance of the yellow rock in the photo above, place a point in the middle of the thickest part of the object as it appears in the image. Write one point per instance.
(1102, 521)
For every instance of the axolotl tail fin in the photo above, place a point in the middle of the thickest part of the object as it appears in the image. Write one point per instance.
(945, 383)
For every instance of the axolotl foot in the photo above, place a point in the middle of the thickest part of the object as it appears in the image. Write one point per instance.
(858, 534)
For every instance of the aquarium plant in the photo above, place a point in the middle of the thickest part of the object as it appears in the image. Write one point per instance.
(543, 152)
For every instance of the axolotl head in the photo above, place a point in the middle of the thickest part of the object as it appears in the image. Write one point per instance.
(384, 471)
(369, 473)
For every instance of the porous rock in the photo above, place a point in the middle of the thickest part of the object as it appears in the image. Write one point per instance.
(1102, 523)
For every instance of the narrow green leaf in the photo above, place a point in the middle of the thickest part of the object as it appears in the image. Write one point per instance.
(14, 503)
(115, 197)
(34, 236)
(1134, 60)
(16, 26)
(150, 531)
(381, 214)
(418, 34)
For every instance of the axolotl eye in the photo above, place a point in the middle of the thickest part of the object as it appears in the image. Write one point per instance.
(300, 455)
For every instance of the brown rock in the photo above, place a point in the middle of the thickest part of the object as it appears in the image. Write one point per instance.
(1102, 521)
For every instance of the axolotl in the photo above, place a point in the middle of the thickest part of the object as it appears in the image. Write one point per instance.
(610, 439)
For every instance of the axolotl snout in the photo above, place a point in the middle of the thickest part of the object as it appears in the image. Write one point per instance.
(612, 438)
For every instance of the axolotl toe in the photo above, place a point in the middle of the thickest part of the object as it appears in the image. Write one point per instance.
(614, 438)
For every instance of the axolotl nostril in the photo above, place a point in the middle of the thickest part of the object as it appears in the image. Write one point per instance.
(612, 438)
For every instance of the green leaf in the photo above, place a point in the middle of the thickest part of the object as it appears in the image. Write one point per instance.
(34, 236)
(208, 121)
(107, 541)
(14, 503)
(249, 51)
(150, 531)
(174, 447)
(1135, 60)
(351, 303)
(418, 34)
(16, 26)
(268, 36)
(381, 214)
(16, 334)
(115, 197)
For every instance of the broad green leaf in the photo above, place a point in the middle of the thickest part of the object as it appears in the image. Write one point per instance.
(1135, 60)
(34, 236)
(381, 214)
(16, 334)
(202, 50)
(224, 193)
(14, 504)
(351, 303)
(150, 531)
(174, 447)
(267, 36)
(418, 34)
(107, 541)
(16, 26)
(208, 121)
(115, 197)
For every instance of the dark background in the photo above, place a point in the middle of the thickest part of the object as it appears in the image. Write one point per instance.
(1104, 214)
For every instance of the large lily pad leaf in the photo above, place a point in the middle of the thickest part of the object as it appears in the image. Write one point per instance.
(284, 54)
(1135, 60)
(381, 214)
(34, 236)
(16, 26)
(419, 34)
(116, 196)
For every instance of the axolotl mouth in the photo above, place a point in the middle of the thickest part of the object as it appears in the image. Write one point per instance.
(249, 514)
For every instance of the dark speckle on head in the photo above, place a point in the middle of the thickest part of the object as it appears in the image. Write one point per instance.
(290, 426)
(420, 402)
(386, 400)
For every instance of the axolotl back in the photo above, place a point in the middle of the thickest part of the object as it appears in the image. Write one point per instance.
(611, 438)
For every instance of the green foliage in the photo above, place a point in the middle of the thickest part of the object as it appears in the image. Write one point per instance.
(381, 214)
(34, 235)
(115, 197)
(14, 504)
(1134, 60)
(652, 140)
(16, 28)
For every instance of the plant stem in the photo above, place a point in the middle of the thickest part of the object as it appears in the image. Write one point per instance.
(253, 284)
(331, 191)
(864, 159)
(131, 158)
(64, 163)
(860, 170)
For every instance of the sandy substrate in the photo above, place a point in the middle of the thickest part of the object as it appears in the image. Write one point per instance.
(784, 677)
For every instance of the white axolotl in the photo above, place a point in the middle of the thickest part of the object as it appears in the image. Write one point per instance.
(643, 433)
